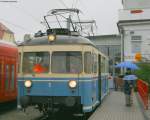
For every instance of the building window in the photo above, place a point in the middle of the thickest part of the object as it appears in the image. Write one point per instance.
(136, 38)
(136, 46)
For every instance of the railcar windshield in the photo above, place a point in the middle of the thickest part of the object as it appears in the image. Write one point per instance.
(67, 62)
(36, 62)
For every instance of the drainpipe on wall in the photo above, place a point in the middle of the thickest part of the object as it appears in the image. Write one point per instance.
(122, 47)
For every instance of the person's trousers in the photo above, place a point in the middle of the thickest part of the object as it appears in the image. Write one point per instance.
(128, 99)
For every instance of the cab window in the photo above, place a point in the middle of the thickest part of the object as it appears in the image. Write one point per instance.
(66, 62)
(35, 62)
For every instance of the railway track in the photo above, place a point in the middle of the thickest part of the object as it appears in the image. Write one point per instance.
(65, 116)
(8, 106)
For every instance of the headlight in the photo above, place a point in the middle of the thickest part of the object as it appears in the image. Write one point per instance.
(51, 37)
(72, 83)
(28, 83)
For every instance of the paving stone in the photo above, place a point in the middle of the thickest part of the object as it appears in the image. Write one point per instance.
(30, 114)
(113, 108)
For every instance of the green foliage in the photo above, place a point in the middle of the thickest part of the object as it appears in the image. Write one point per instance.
(144, 72)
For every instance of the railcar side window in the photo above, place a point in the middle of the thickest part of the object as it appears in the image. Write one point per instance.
(87, 62)
(7, 72)
(107, 66)
(37, 62)
(12, 77)
(103, 66)
(95, 63)
(19, 62)
(66, 62)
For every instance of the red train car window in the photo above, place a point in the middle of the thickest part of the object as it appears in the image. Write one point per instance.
(7, 71)
(12, 77)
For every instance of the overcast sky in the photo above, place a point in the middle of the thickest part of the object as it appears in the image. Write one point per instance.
(25, 15)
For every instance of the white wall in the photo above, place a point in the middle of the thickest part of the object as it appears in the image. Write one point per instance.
(136, 4)
(127, 15)
(107, 40)
(142, 30)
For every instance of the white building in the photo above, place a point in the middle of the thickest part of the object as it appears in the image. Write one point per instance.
(135, 4)
(110, 45)
(134, 27)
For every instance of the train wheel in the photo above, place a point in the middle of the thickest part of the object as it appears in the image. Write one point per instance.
(86, 115)
(83, 117)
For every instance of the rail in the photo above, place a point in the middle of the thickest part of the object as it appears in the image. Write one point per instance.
(143, 90)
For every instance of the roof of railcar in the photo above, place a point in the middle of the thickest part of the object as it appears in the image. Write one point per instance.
(8, 49)
(5, 43)
(60, 40)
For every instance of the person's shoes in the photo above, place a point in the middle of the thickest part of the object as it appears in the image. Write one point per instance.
(128, 105)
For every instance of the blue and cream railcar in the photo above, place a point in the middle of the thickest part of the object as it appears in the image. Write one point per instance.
(67, 73)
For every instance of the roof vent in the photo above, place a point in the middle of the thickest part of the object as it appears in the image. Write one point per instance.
(58, 31)
(75, 33)
(39, 34)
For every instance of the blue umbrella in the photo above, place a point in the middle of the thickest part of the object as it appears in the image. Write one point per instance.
(127, 64)
(130, 77)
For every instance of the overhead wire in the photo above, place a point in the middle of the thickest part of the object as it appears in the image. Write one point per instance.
(63, 3)
(72, 3)
(75, 4)
(9, 1)
(94, 23)
(22, 10)
(58, 21)
(83, 4)
(28, 13)
(15, 25)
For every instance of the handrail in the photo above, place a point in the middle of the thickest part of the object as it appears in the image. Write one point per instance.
(143, 90)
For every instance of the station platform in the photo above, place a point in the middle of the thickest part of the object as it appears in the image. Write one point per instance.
(113, 108)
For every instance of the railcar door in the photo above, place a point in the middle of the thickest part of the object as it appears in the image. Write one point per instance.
(94, 75)
(99, 77)
(1, 75)
(10, 77)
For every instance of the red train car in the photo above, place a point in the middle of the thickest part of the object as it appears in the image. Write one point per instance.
(8, 71)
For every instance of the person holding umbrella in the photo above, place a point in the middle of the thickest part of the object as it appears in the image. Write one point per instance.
(129, 82)
(129, 79)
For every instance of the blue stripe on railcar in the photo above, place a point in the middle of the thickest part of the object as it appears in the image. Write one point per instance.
(87, 89)
(57, 86)
(104, 86)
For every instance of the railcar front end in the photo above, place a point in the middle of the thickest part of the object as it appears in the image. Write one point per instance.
(60, 77)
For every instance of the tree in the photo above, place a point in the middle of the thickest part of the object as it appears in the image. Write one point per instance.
(144, 72)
